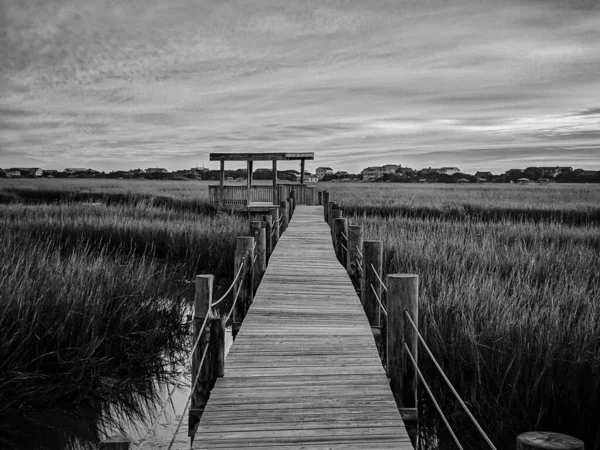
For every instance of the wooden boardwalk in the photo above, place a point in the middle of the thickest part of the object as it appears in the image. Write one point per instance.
(303, 371)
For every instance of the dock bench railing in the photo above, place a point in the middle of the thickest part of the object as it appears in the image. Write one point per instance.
(392, 309)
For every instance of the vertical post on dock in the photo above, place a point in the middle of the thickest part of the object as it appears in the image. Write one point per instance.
(276, 226)
(341, 230)
(403, 296)
(320, 198)
(244, 255)
(330, 207)
(292, 202)
(372, 262)
(355, 242)
(534, 440)
(115, 443)
(258, 231)
(268, 220)
(284, 207)
(335, 214)
(202, 309)
(325, 205)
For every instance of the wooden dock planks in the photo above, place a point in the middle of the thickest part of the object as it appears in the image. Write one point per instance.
(304, 370)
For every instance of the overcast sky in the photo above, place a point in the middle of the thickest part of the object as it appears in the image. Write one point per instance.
(478, 84)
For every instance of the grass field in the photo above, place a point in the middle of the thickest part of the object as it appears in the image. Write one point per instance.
(509, 297)
(94, 290)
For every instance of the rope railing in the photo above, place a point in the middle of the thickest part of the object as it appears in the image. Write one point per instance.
(435, 403)
(378, 299)
(237, 294)
(379, 278)
(344, 236)
(187, 403)
(445, 378)
(358, 251)
(232, 283)
(344, 247)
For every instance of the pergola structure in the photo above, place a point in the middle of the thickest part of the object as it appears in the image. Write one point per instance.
(251, 157)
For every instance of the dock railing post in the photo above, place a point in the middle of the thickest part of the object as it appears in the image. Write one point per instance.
(325, 205)
(372, 258)
(244, 254)
(335, 214)
(402, 299)
(537, 440)
(258, 231)
(330, 207)
(341, 230)
(115, 443)
(292, 202)
(320, 198)
(285, 208)
(268, 221)
(355, 242)
(202, 309)
(276, 226)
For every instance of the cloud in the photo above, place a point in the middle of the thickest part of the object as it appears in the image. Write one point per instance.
(359, 82)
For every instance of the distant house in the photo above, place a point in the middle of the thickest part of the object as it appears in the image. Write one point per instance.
(341, 173)
(553, 171)
(584, 173)
(322, 171)
(13, 173)
(137, 171)
(28, 171)
(523, 181)
(389, 168)
(75, 170)
(448, 170)
(310, 178)
(462, 180)
(404, 171)
(483, 174)
(156, 170)
(371, 172)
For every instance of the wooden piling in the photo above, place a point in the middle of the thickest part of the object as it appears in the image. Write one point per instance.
(325, 205)
(276, 229)
(284, 208)
(202, 309)
(535, 440)
(331, 206)
(341, 233)
(320, 198)
(335, 214)
(403, 295)
(258, 231)
(268, 221)
(115, 443)
(355, 242)
(292, 201)
(244, 255)
(372, 258)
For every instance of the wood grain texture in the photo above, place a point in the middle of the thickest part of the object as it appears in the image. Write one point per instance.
(303, 371)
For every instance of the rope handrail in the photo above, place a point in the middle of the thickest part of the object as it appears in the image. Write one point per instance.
(175, 385)
(435, 403)
(379, 279)
(280, 218)
(187, 404)
(358, 251)
(344, 235)
(344, 247)
(237, 294)
(378, 299)
(232, 283)
(445, 378)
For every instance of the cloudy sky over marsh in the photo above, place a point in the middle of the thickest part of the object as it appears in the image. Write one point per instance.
(478, 84)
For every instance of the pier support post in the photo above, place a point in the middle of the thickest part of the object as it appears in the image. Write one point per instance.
(115, 443)
(276, 229)
(341, 230)
(258, 231)
(284, 208)
(535, 440)
(244, 255)
(325, 205)
(335, 214)
(320, 198)
(292, 200)
(355, 242)
(372, 258)
(403, 295)
(268, 221)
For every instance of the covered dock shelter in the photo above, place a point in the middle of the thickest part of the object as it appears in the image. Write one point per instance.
(250, 196)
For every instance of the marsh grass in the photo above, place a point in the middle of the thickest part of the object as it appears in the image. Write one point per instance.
(95, 293)
(509, 306)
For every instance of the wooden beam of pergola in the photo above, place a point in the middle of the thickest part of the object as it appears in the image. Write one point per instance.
(251, 157)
